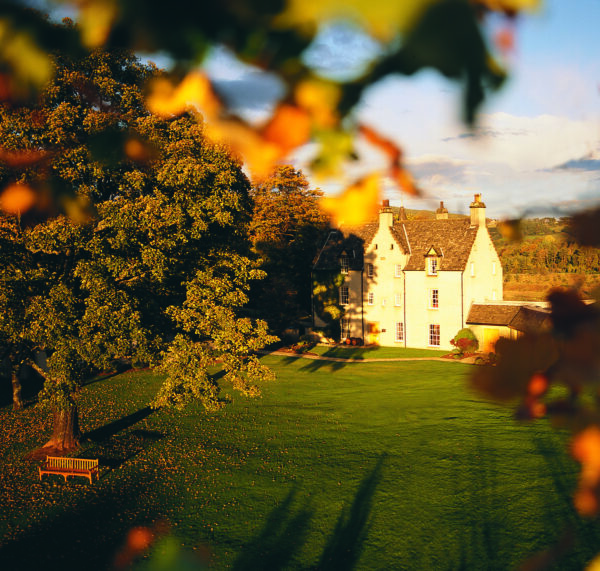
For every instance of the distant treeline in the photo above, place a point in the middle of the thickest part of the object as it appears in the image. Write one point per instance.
(546, 247)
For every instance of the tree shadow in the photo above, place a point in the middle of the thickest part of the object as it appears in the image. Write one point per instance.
(108, 430)
(285, 532)
(585, 532)
(334, 358)
(345, 545)
(113, 453)
(477, 513)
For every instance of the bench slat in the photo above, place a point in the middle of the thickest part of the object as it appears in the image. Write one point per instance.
(70, 467)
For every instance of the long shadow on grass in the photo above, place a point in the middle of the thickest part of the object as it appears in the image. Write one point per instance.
(587, 533)
(285, 532)
(108, 430)
(345, 545)
(111, 453)
(282, 536)
(477, 514)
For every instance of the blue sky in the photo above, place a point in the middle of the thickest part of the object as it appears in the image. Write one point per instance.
(537, 151)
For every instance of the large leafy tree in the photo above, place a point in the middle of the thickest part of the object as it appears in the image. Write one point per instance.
(286, 230)
(154, 262)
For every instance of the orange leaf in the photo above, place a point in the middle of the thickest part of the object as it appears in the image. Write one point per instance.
(288, 128)
(17, 198)
(260, 155)
(404, 180)
(195, 89)
(388, 147)
(357, 204)
(22, 158)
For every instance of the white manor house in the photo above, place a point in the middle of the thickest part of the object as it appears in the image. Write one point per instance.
(416, 283)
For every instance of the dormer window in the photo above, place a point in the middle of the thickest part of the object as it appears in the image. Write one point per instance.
(432, 266)
(344, 264)
(432, 261)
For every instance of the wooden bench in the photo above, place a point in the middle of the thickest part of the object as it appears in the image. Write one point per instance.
(70, 467)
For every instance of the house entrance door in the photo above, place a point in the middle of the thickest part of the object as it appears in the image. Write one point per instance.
(490, 336)
(373, 333)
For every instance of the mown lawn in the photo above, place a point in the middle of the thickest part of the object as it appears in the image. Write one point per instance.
(336, 466)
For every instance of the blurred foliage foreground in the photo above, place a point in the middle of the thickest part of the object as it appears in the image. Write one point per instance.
(447, 35)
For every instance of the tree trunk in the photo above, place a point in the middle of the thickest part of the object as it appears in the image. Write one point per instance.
(65, 432)
(16, 390)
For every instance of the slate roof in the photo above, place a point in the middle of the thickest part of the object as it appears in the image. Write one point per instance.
(352, 241)
(452, 239)
(521, 318)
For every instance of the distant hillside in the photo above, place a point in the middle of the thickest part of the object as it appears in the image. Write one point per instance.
(412, 214)
(546, 247)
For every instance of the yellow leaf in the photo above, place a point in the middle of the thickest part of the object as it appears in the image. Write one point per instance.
(195, 90)
(320, 99)
(95, 20)
(335, 147)
(510, 6)
(357, 204)
(29, 63)
(382, 18)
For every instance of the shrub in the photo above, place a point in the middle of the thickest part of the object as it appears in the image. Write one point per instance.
(464, 342)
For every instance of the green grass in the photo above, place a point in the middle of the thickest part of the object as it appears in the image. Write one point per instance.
(337, 465)
(374, 352)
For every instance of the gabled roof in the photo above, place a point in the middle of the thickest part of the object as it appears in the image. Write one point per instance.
(519, 317)
(452, 239)
(351, 241)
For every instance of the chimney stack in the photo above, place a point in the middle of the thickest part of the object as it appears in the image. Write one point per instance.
(441, 213)
(477, 212)
(386, 215)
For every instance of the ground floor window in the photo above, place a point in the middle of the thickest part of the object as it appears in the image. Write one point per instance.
(434, 335)
(345, 328)
(399, 332)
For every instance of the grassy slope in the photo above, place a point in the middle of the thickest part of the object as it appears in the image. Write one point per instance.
(443, 479)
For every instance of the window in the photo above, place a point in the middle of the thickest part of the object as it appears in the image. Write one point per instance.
(369, 270)
(432, 266)
(344, 264)
(391, 246)
(344, 295)
(434, 335)
(399, 332)
(434, 298)
(493, 295)
(472, 269)
(397, 299)
(345, 328)
(398, 271)
(371, 298)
